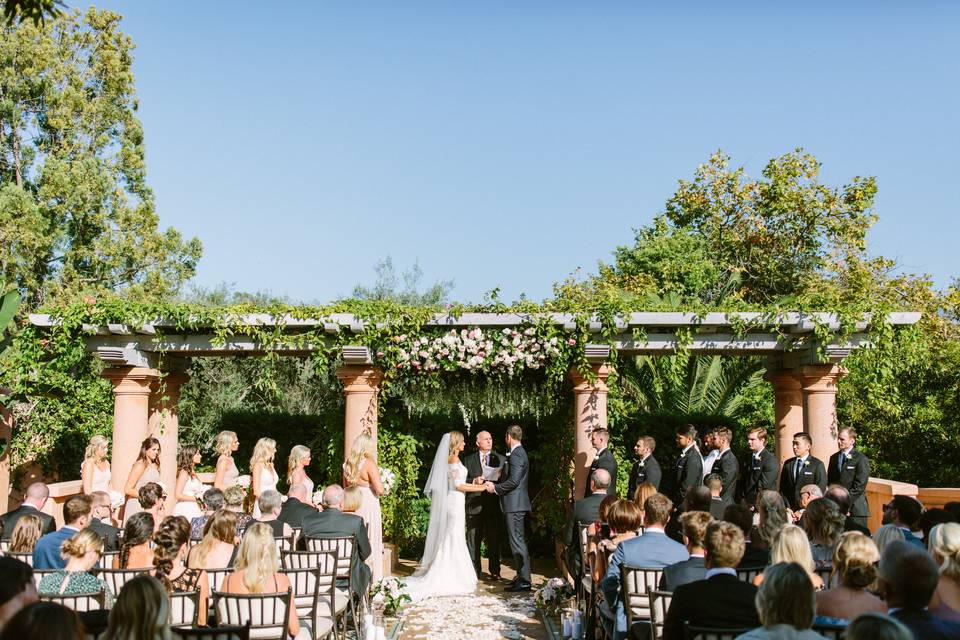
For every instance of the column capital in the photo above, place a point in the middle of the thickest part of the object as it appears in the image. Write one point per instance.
(583, 384)
(783, 380)
(360, 378)
(821, 378)
(131, 380)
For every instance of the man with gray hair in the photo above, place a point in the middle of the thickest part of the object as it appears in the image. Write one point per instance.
(33, 502)
(269, 503)
(100, 520)
(585, 511)
(333, 523)
(907, 579)
(297, 506)
(484, 520)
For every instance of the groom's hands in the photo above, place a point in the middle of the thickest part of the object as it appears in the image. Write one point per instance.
(479, 480)
(489, 487)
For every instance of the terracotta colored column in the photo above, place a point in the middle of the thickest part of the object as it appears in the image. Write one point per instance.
(131, 410)
(787, 409)
(820, 406)
(361, 384)
(164, 425)
(6, 435)
(590, 401)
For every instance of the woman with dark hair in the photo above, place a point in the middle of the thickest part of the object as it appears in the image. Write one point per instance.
(145, 469)
(47, 620)
(625, 520)
(773, 518)
(25, 534)
(217, 548)
(142, 612)
(135, 551)
(823, 524)
(171, 543)
(17, 588)
(189, 487)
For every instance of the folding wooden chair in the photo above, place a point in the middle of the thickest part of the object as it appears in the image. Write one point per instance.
(659, 605)
(116, 578)
(213, 633)
(635, 584)
(747, 574)
(691, 632)
(347, 558)
(22, 557)
(284, 543)
(93, 601)
(316, 595)
(267, 614)
(184, 608)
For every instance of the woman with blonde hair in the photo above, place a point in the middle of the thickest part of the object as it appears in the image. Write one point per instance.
(352, 499)
(257, 569)
(785, 603)
(791, 545)
(95, 471)
(945, 549)
(227, 473)
(823, 523)
(81, 551)
(145, 469)
(188, 486)
(263, 477)
(217, 548)
(141, 612)
(297, 465)
(640, 495)
(361, 471)
(25, 534)
(854, 564)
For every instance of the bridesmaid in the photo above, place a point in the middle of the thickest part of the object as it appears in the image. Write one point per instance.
(95, 471)
(188, 484)
(227, 472)
(145, 469)
(296, 470)
(361, 470)
(262, 474)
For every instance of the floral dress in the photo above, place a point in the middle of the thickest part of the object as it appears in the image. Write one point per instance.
(77, 582)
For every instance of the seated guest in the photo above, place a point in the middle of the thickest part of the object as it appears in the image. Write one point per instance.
(945, 549)
(885, 535)
(953, 508)
(641, 494)
(258, 568)
(773, 516)
(694, 525)
(101, 511)
(785, 605)
(47, 620)
(721, 600)
(715, 485)
(742, 517)
(135, 549)
(907, 581)
(212, 500)
(170, 551)
(823, 523)
(854, 564)
(931, 518)
(270, 502)
(808, 493)
(595, 535)
(33, 502)
(585, 510)
(81, 552)
(76, 514)
(233, 498)
(218, 548)
(877, 626)
(332, 523)
(791, 545)
(17, 588)
(152, 499)
(904, 512)
(25, 534)
(696, 499)
(142, 612)
(652, 549)
(840, 496)
(623, 518)
(296, 506)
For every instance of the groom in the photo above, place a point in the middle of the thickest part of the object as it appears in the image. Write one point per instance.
(515, 503)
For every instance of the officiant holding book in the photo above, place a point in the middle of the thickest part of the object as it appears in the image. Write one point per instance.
(484, 518)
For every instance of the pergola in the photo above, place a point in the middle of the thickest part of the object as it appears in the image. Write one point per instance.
(802, 368)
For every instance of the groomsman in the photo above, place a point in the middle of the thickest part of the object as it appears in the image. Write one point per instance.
(689, 471)
(712, 452)
(726, 465)
(604, 459)
(851, 469)
(800, 470)
(484, 518)
(646, 468)
(760, 470)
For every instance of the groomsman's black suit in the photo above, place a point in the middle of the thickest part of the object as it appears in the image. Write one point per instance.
(689, 473)
(728, 468)
(758, 475)
(484, 518)
(108, 533)
(333, 523)
(647, 470)
(811, 471)
(294, 511)
(853, 476)
(584, 511)
(603, 460)
(515, 504)
(9, 520)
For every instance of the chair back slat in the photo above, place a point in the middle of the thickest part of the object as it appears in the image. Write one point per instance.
(659, 605)
(267, 613)
(93, 601)
(4, 546)
(284, 543)
(221, 632)
(635, 584)
(215, 578)
(40, 574)
(184, 608)
(116, 578)
(747, 574)
(22, 557)
(692, 632)
(831, 631)
(345, 548)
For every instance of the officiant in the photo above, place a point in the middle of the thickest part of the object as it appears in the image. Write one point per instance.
(484, 519)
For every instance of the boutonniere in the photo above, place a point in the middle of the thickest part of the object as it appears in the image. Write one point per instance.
(508, 454)
(806, 463)
(642, 464)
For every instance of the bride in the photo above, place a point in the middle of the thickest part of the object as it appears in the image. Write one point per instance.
(446, 568)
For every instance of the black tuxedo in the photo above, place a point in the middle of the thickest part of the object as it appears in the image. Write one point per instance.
(9, 520)
(685, 572)
(925, 625)
(853, 476)
(603, 460)
(586, 510)
(727, 467)
(758, 475)
(644, 471)
(484, 518)
(333, 523)
(753, 557)
(812, 472)
(106, 532)
(294, 511)
(689, 473)
(723, 602)
(515, 503)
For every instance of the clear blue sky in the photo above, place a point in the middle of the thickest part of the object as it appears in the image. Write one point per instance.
(506, 144)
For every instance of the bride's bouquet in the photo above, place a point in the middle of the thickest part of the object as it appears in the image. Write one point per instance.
(388, 478)
(552, 595)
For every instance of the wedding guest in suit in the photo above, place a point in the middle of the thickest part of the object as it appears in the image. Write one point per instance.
(877, 626)
(584, 511)
(721, 600)
(752, 555)
(599, 439)
(800, 470)
(907, 581)
(625, 521)
(296, 508)
(904, 512)
(726, 465)
(101, 510)
(76, 514)
(760, 469)
(694, 526)
(652, 549)
(711, 450)
(945, 549)
(698, 499)
(646, 468)
(36, 498)
(333, 523)
(484, 518)
(689, 470)
(839, 495)
(715, 485)
(785, 605)
(850, 468)
(854, 563)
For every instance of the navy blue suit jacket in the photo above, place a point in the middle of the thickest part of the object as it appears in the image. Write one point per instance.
(46, 554)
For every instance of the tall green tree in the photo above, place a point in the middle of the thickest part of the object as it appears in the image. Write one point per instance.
(76, 213)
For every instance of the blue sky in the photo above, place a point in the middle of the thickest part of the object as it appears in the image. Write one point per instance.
(506, 144)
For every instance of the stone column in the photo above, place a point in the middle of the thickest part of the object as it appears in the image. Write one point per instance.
(590, 401)
(788, 410)
(361, 384)
(6, 435)
(131, 411)
(820, 406)
(164, 424)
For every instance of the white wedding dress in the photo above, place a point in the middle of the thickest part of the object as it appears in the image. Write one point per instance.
(445, 568)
